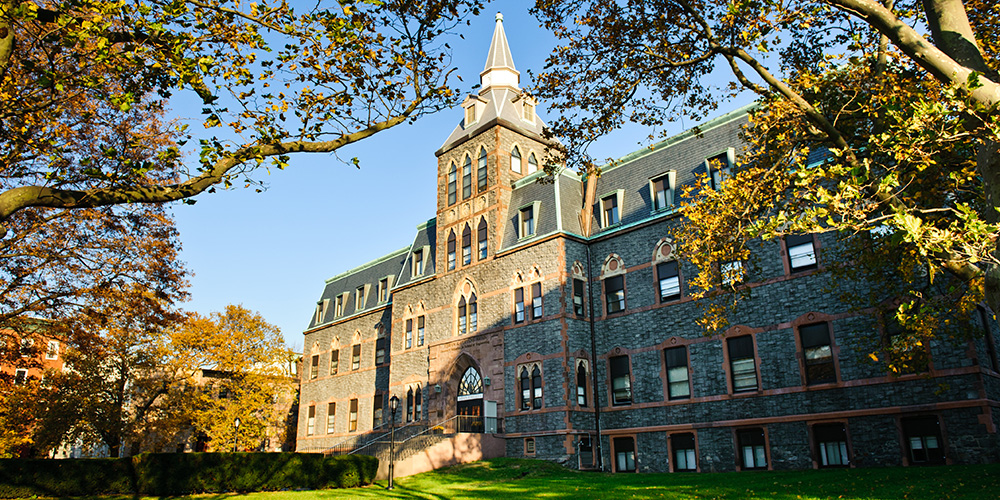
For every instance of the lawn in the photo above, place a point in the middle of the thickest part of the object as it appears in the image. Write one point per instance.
(511, 479)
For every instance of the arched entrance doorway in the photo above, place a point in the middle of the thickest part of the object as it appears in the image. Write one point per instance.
(470, 401)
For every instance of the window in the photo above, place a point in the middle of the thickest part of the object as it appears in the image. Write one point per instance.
(624, 454)
(817, 354)
(352, 424)
(20, 376)
(670, 281)
(418, 262)
(578, 297)
(682, 448)
(529, 446)
(409, 405)
(529, 112)
(532, 163)
(470, 115)
(663, 192)
(481, 177)
(356, 357)
(311, 421)
(451, 251)
(418, 403)
(614, 293)
(408, 338)
(536, 388)
(334, 361)
(801, 252)
(483, 239)
(518, 305)
(467, 178)
(621, 381)
(831, 445)
(420, 330)
(26, 345)
(536, 301)
(314, 366)
(731, 272)
(377, 411)
(383, 289)
(338, 306)
(923, 440)
(525, 390)
(909, 355)
(609, 210)
(752, 448)
(380, 351)
(331, 418)
(678, 381)
(452, 184)
(52, 350)
(527, 222)
(581, 384)
(463, 318)
(719, 168)
(320, 310)
(359, 298)
(515, 160)
(742, 364)
(466, 246)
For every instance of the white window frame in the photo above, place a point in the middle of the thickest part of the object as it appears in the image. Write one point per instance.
(534, 206)
(724, 173)
(671, 192)
(619, 195)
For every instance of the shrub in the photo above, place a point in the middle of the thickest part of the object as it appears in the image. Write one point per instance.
(163, 474)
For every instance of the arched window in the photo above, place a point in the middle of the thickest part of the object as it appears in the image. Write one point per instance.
(452, 183)
(515, 160)
(532, 163)
(418, 405)
(466, 246)
(473, 319)
(525, 390)
(581, 384)
(482, 238)
(451, 251)
(409, 405)
(536, 387)
(471, 385)
(462, 316)
(481, 177)
(467, 178)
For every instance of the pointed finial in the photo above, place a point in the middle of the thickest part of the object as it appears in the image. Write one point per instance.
(499, 17)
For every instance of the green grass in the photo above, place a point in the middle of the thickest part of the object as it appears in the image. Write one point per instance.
(512, 479)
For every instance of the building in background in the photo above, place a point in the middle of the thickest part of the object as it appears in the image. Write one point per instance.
(554, 318)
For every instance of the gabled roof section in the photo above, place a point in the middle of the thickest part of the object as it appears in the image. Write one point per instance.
(349, 281)
(425, 241)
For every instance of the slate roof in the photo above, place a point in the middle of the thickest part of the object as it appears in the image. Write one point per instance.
(349, 281)
(426, 239)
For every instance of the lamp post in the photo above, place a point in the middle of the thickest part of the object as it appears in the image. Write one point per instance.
(393, 406)
(236, 437)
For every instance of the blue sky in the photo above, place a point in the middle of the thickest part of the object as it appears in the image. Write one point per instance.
(273, 251)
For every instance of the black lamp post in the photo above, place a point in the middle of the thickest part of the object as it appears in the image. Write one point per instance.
(393, 406)
(236, 438)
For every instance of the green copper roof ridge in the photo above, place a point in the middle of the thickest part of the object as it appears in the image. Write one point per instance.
(424, 225)
(680, 137)
(369, 264)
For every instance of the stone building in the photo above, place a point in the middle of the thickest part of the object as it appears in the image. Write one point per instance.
(554, 317)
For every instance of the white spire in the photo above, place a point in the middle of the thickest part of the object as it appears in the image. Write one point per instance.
(499, 69)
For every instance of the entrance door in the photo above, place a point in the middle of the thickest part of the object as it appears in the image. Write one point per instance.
(470, 402)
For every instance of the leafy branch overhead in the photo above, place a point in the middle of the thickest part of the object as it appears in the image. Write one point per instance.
(84, 83)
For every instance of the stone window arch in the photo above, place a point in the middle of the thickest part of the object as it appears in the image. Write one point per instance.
(482, 238)
(467, 177)
(515, 159)
(482, 178)
(466, 245)
(467, 320)
(451, 250)
(452, 183)
(530, 383)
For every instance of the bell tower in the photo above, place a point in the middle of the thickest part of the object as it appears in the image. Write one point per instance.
(498, 141)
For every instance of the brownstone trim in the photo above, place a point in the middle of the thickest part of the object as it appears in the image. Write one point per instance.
(672, 455)
(739, 452)
(814, 450)
(614, 454)
(813, 318)
(736, 332)
(616, 352)
(903, 445)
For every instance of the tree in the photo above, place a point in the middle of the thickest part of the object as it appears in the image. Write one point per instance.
(80, 80)
(911, 125)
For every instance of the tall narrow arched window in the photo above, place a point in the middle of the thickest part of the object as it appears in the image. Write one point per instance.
(462, 318)
(532, 163)
(581, 384)
(515, 160)
(481, 177)
(525, 390)
(467, 178)
(482, 238)
(418, 405)
(536, 388)
(409, 405)
(451, 251)
(452, 183)
(473, 313)
(466, 246)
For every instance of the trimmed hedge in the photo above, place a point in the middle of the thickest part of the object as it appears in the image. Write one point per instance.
(161, 474)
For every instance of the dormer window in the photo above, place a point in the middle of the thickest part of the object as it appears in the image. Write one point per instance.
(611, 209)
(527, 227)
(662, 190)
(470, 115)
(338, 308)
(417, 263)
(383, 289)
(719, 167)
(529, 112)
(359, 298)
